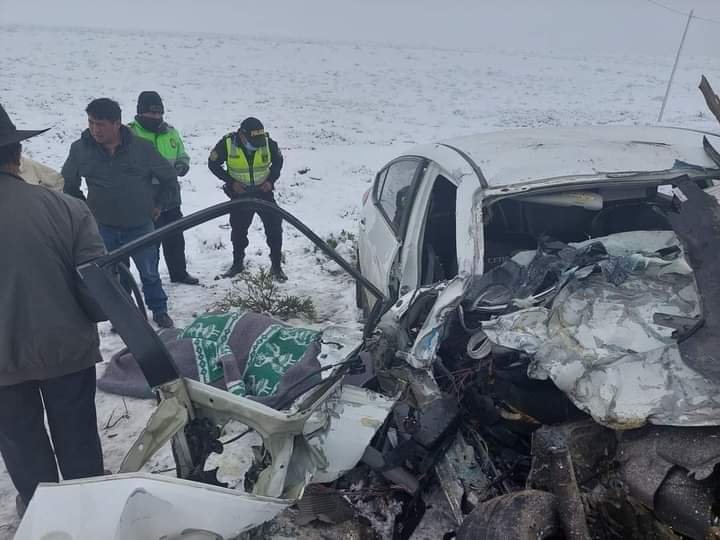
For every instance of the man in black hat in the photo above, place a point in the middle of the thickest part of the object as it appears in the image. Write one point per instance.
(120, 170)
(249, 162)
(149, 125)
(48, 345)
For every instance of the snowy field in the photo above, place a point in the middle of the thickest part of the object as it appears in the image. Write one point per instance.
(339, 110)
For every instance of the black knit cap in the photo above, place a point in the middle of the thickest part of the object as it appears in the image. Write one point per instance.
(150, 101)
(254, 131)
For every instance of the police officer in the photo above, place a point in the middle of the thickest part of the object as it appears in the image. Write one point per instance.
(149, 125)
(249, 162)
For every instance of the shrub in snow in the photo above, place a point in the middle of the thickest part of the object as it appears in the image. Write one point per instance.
(260, 293)
(345, 243)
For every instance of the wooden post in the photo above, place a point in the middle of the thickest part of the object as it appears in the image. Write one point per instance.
(677, 59)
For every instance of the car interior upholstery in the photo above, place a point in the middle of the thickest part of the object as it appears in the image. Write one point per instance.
(515, 225)
(439, 252)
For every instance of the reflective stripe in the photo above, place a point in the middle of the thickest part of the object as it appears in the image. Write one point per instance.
(238, 167)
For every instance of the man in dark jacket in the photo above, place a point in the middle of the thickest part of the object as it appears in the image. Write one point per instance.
(119, 169)
(149, 125)
(249, 162)
(48, 345)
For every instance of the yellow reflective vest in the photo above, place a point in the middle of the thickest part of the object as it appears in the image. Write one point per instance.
(242, 171)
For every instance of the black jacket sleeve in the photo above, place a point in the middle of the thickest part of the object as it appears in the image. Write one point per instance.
(71, 174)
(276, 158)
(217, 160)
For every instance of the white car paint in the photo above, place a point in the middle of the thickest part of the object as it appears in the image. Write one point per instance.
(378, 242)
(135, 506)
(515, 162)
(323, 444)
(409, 261)
(513, 157)
(379, 248)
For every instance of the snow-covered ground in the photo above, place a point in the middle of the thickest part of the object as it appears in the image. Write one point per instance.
(339, 110)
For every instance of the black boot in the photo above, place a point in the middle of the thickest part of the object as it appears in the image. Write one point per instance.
(163, 320)
(277, 273)
(237, 268)
(187, 280)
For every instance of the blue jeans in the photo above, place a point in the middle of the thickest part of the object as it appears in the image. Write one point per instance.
(146, 261)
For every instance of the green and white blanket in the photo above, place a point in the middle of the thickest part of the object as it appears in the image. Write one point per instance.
(248, 354)
(273, 352)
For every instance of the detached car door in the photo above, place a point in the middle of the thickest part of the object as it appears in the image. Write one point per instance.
(383, 220)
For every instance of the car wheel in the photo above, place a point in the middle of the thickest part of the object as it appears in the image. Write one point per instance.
(523, 515)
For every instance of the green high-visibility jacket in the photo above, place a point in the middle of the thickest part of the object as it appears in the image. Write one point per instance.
(168, 143)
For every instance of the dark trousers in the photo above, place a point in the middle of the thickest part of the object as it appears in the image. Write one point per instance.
(173, 246)
(240, 220)
(69, 402)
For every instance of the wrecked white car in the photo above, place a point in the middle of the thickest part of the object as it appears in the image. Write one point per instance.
(541, 341)
(572, 349)
(286, 384)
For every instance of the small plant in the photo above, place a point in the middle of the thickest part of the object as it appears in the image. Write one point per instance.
(345, 243)
(260, 293)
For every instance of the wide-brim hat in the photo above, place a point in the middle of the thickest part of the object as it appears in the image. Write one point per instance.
(9, 134)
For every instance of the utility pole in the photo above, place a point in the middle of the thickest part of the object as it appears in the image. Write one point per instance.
(677, 59)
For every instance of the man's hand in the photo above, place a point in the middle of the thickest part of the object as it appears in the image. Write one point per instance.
(238, 187)
(266, 186)
(156, 214)
(181, 168)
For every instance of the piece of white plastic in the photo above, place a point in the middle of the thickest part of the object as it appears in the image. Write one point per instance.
(140, 506)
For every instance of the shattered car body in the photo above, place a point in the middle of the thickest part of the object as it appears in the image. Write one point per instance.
(316, 429)
(548, 359)
(575, 343)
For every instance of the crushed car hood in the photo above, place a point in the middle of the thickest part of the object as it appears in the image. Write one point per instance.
(628, 332)
(600, 344)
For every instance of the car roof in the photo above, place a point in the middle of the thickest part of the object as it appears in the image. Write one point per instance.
(530, 155)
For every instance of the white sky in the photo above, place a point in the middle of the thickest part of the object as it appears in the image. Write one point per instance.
(553, 26)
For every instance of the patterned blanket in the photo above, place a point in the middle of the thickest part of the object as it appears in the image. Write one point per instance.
(248, 354)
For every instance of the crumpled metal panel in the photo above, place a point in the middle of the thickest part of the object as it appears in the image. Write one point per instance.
(354, 415)
(698, 227)
(336, 345)
(132, 506)
(423, 352)
(598, 342)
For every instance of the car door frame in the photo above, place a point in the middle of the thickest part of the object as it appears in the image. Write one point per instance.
(410, 260)
(386, 276)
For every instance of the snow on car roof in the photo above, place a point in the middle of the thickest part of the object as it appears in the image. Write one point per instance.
(519, 156)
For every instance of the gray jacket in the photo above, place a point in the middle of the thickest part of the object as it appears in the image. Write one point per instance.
(44, 332)
(120, 189)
